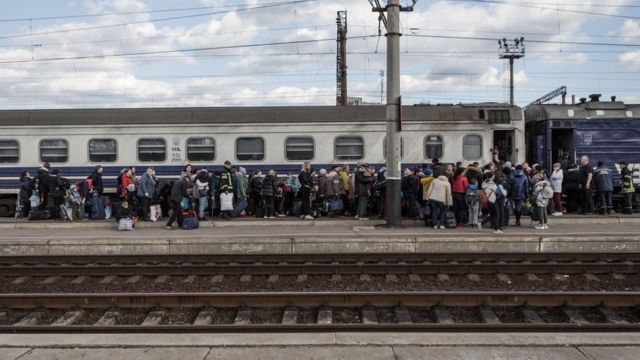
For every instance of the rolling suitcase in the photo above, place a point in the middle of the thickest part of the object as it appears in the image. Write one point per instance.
(96, 204)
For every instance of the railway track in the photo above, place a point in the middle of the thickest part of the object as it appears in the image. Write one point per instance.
(321, 264)
(322, 311)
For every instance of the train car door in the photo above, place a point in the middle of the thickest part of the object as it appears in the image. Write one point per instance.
(562, 140)
(503, 141)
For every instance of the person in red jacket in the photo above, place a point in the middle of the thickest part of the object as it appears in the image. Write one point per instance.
(459, 189)
(127, 179)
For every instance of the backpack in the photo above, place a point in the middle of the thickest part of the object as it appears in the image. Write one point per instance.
(471, 197)
(547, 192)
(484, 200)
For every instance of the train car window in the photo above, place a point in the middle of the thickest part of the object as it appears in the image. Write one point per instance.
(103, 150)
(472, 147)
(349, 148)
(433, 147)
(54, 150)
(299, 148)
(201, 149)
(9, 151)
(499, 117)
(248, 149)
(384, 147)
(152, 150)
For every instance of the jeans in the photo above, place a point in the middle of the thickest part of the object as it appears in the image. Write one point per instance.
(305, 196)
(557, 202)
(202, 205)
(268, 205)
(474, 212)
(496, 209)
(586, 197)
(542, 214)
(145, 208)
(605, 200)
(459, 207)
(363, 204)
(438, 213)
(176, 214)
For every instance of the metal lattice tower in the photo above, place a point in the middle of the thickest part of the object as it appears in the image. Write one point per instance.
(511, 50)
(341, 59)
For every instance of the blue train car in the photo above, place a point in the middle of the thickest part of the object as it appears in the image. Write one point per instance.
(607, 131)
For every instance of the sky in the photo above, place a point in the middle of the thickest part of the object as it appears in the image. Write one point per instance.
(175, 53)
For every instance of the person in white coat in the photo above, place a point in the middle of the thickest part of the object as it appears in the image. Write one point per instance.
(439, 196)
(557, 176)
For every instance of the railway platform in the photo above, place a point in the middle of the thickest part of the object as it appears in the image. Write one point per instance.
(330, 345)
(245, 236)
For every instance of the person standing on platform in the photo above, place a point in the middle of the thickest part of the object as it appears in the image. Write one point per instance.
(306, 184)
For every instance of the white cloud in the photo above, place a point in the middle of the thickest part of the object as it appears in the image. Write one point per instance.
(631, 60)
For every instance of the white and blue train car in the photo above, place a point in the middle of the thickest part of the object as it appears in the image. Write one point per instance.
(280, 138)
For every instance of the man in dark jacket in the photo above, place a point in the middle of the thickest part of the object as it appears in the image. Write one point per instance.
(41, 184)
(226, 178)
(179, 191)
(604, 187)
(268, 193)
(409, 186)
(26, 189)
(363, 180)
(626, 182)
(571, 187)
(519, 184)
(586, 190)
(255, 191)
(306, 183)
(96, 178)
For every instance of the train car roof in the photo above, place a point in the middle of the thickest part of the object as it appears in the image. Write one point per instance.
(587, 110)
(231, 115)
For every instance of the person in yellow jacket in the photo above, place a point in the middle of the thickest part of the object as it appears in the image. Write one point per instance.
(425, 182)
(345, 189)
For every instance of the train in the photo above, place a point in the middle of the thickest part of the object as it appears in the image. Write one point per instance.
(278, 138)
(281, 138)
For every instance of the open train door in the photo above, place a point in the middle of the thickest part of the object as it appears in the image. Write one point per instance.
(504, 142)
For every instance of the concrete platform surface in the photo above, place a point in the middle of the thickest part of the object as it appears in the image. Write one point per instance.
(348, 346)
(331, 238)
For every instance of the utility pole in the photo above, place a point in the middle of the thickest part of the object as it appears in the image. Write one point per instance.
(394, 121)
(381, 86)
(341, 59)
(511, 51)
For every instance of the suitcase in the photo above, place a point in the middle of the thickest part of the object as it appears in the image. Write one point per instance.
(96, 204)
(450, 222)
(155, 212)
(66, 212)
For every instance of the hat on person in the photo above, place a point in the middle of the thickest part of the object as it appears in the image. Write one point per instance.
(242, 170)
(428, 172)
(623, 163)
(507, 164)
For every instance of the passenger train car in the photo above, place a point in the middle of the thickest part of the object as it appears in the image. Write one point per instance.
(279, 138)
(607, 131)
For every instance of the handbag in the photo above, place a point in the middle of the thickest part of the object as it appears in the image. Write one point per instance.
(226, 202)
(125, 224)
(34, 199)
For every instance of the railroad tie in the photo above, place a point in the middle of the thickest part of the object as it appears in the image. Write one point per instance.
(560, 277)
(473, 277)
(369, 316)
(69, 318)
(161, 279)
(365, 277)
(79, 280)
(618, 276)
(154, 318)
(273, 278)
(414, 277)
(504, 278)
(591, 277)
(611, 316)
(108, 318)
(325, 316)
(107, 279)
(442, 316)
(31, 319)
(488, 316)
(20, 280)
(402, 315)
(302, 278)
(290, 316)
(530, 317)
(391, 278)
(243, 317)
(574, 317)
(134, 279)
(443, 277)
(190, 279)
(532, 277)
(217, 278)
(336, 277)
(245, 278)
(205, 317)
(50, 280)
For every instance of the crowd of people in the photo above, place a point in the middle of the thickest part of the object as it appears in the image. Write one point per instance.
(442, 195)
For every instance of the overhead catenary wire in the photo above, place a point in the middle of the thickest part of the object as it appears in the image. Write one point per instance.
(181, 17)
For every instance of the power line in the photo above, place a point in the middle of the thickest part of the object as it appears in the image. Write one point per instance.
(177, 51)
(548, 8)
(527, 40)
(152, 20)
